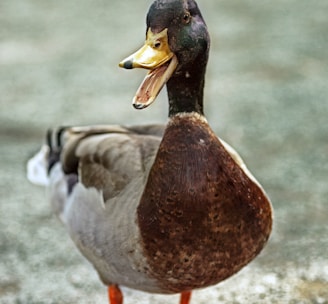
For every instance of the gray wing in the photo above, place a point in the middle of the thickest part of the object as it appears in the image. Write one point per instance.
(107, 158)
(96, 178)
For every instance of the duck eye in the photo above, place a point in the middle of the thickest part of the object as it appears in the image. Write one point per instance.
(157, 44)
(186, 17)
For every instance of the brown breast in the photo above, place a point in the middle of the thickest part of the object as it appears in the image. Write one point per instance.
(201, 217)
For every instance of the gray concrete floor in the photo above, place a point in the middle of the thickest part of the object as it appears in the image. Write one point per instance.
(266, 94)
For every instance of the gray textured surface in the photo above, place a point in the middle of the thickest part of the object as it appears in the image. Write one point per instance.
(266, 94)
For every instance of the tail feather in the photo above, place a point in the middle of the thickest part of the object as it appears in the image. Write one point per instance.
(55, 144)
(39, 166)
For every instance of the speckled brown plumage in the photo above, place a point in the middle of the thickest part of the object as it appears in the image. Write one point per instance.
(208, 219)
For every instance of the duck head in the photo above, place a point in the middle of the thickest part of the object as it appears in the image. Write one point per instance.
(175, 53)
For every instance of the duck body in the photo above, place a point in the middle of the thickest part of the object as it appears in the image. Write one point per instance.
(162, 214)
(162, 209)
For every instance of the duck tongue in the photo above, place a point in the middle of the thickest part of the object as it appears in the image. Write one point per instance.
(153, 83)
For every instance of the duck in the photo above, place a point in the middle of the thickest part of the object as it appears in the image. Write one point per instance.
(162, 209)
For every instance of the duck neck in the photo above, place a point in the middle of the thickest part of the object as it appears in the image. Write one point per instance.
(185, 90)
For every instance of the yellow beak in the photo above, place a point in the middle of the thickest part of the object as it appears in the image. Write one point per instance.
(157, 57)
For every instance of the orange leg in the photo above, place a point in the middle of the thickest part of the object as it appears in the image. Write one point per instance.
(115, 295)
(185, 297)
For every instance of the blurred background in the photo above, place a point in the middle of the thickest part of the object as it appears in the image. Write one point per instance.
(266, 94)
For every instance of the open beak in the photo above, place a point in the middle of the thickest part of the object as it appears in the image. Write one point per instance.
(157, 57)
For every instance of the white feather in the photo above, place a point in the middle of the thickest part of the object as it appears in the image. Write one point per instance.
(37, 168)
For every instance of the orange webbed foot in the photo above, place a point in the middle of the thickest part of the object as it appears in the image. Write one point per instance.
(185, 297)
(115, 295)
